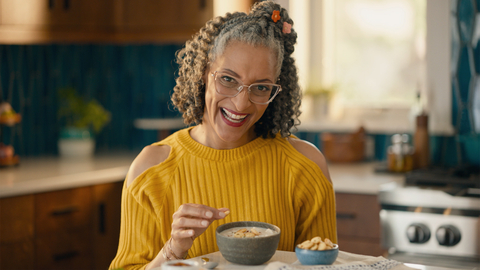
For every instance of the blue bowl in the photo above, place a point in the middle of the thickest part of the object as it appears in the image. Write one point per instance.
(315, 257)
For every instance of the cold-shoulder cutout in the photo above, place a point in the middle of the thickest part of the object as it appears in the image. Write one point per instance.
(311, 152)
(150, 156)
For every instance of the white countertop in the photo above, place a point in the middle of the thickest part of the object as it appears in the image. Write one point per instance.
(36, 175)
(360, 178)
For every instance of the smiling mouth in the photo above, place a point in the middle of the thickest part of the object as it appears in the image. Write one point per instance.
(235, 118)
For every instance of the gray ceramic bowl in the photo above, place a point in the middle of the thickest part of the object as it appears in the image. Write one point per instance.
(249, 251)
(314, 257)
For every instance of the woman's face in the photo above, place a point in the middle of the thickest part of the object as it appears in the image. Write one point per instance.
(228, 122)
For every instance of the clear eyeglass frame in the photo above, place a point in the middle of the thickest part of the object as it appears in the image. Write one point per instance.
(242, 86)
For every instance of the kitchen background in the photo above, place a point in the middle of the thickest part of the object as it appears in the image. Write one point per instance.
(135, 81)
(60, 213)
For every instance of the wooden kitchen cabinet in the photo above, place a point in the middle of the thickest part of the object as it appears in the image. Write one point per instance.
(125, 21)
(107, 199)
(57, 14)
(17, 223)
(68, 229)
(358, 223)
(62, 229)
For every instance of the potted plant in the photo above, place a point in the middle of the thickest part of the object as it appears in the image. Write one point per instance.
(80, 120)
(316, 102)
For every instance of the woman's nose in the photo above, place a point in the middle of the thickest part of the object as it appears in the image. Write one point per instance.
(242, 100)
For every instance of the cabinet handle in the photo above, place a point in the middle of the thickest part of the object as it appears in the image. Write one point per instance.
(66, 4)
(203, 4)
(65, 256)
(101, 218)
(346, 216)
(65, 211)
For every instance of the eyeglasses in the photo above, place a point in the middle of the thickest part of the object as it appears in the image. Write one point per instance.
(259, 93)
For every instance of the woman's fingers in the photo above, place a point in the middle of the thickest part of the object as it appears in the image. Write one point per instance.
(200, 211)
(190, 221)
(195, 211)
(186, 233)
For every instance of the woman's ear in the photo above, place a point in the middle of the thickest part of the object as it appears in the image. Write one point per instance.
(205, 75)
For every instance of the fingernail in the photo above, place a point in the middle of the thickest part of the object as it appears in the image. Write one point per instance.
(221, 214)
(209, 214)
(204, 223)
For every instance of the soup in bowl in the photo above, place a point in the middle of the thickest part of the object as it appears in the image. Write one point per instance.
(247, 242)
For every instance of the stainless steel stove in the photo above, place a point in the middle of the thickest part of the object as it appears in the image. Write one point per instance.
(436, 225)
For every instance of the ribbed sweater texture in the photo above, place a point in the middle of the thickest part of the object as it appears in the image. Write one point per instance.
(265, 180)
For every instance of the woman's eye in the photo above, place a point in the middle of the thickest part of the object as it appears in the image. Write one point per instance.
(263, 88)
(228, 79)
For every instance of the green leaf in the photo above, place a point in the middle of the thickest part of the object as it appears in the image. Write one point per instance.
(74, 111)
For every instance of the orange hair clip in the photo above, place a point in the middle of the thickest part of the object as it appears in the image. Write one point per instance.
(276, 16)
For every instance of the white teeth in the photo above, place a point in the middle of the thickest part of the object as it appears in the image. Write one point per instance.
(233, 117)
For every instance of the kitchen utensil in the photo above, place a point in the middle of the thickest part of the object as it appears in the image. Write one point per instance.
(206, 263)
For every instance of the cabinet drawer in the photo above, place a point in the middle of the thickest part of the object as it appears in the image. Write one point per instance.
(358, 215)
(64, 250)
(63, 210)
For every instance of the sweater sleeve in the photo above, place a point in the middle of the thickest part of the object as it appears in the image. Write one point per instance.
(314, 203)
(140, 230)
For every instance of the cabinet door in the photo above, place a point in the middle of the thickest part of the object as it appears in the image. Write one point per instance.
(16, 218)
(17, 232)
(358, 223)
(83, 14)
(17, 255)
(63, 221)
(107, 200)
(166, 15)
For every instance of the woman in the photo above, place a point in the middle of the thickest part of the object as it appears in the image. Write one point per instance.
(238, 83)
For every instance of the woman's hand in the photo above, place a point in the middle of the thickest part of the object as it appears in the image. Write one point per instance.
(190, 221)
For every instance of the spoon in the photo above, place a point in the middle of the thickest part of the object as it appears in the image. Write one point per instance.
(208, 264)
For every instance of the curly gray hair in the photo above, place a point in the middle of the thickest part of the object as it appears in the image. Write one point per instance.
(259, 29)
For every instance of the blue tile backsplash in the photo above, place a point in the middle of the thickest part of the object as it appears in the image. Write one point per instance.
(466, 80)
(131, 81)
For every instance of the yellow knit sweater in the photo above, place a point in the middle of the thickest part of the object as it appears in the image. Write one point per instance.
(265, 180)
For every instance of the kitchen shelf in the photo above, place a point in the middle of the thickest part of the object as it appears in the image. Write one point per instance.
(10, 120)
(9, 161)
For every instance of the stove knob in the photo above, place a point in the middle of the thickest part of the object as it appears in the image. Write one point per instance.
(418, 233)
(448, 235)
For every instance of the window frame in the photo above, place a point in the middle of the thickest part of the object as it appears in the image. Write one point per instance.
(312, 24)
